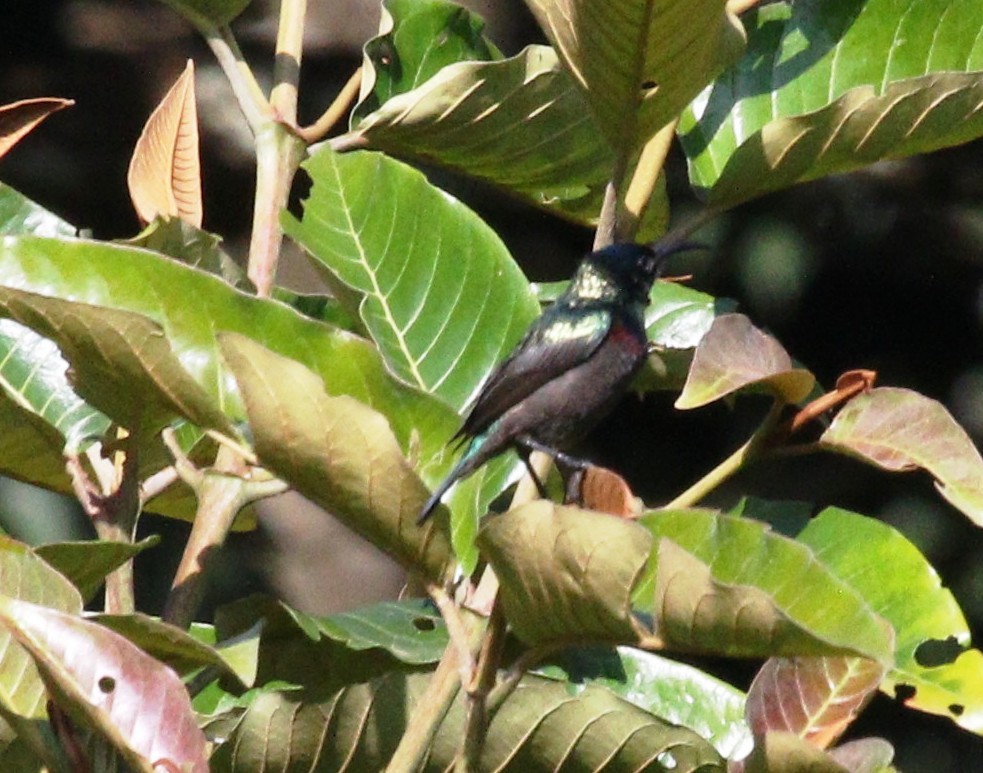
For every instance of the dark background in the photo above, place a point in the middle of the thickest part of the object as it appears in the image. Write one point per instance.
(881, 269)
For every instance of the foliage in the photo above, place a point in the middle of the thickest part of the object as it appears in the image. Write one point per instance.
(151, 375)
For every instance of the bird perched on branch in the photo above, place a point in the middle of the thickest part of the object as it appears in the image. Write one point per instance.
(570, 368)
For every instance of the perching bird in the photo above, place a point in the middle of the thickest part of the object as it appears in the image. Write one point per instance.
(569, 369)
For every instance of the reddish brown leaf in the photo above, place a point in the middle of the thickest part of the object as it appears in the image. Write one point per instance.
(735, 354)
(19, 118)
(138, 704)
(165, 172)
(898, 429)
(607, 492)
(815, 698)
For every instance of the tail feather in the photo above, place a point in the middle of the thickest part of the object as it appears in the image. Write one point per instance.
(468, 464)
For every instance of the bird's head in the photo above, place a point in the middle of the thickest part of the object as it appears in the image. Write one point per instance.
(629, 268)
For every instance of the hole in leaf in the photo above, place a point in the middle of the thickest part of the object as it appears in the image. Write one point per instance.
(424, 624)
(649, 85)
(667, 761)
(957, 709)
(938, 652)
(904, 692)
(107, 684)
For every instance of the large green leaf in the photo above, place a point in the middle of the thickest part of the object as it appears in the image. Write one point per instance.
(676, 692)
(730, 585)
(899, 584)
(20, 215)
(338, 452)
(433, 284)
(640, 62)
(86, 564)
(417, 38)
(689, 580)
(520, 123)
(177, 311)
(829, 87)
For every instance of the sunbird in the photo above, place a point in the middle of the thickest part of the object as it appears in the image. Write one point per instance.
(570, 368)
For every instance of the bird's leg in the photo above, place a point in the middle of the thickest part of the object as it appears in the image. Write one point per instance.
(524, 450)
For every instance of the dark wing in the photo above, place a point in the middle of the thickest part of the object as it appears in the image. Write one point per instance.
(556, 342)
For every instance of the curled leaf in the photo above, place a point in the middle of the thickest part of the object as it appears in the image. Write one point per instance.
(19, 118)
(733, 355)
(898, 429)
(165, 174)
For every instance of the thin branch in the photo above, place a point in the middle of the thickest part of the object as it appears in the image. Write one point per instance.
(286, 65)
(335, 112)
(455, 629)
(247, 91)
(729, 466)
(344, 143)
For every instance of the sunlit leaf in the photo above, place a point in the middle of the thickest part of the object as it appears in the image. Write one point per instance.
(735, 355)
(640, 62)
(520, 123)
(139, 705)
(20, 118)
(416, 39)
(825, 88)
(814, 698)
(86, 564)
(934, 669)
(20, 215)
(337, 452)
(898, 429)
(165, 174)
(676, 692)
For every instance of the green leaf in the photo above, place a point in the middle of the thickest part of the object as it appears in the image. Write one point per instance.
(675, 692)
(208, 14)
(566, 574)
(736, 355)
(337, 452)
(434, 285)
(19, 215)
(898, 429)
(98, 677)
(730, 586)
(640, 62)
(521, 124)
(898, 582)
(411, 631)
(417, 38)
(162, 641)
(825, 88)
(86, 564)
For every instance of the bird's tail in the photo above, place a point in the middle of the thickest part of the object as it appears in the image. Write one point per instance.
(467, 464)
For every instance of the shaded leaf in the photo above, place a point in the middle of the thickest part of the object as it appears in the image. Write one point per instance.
(521, 124)
(814, 698)
(20, 118)
(336, 451)
(675, 692)
(417, 39)
(86, 564)
(735, 355)
(20, 215)
(566, 574)
(604, 490)
(164, 177)
(640, 61)
(731, 586)
(781, 752)
(164, 642)
(194, 247)
(865, 755)
(824, 89)
(138, 704)
(898, 429)
(412, 631)
(34, 376)
(900, 584)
